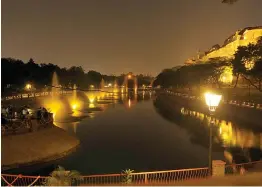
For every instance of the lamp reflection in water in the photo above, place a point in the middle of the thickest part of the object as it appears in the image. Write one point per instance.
(129, 103)
(212, 101)
(74, 106)
(91, 105)
(230, 135)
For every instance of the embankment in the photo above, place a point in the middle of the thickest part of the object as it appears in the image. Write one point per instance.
(39, 146)
(247, 117)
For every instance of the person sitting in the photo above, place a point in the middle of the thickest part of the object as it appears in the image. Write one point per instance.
(24, 113)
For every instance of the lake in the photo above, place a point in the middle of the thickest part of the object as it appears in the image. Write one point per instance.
(137, 132)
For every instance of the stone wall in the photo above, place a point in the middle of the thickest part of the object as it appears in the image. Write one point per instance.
(228, 51)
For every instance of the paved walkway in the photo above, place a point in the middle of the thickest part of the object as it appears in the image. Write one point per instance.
(29, 148)
(249, 179)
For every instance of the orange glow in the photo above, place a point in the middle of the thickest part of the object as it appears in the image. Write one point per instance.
(28, 86)
(74, 106)
(53, 105)
(129, 103)
(212, 100)
(91, 99)
(91, 105)
(129, 76)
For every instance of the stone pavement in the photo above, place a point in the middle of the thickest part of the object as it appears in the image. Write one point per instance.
(248, 179)
(38, 146)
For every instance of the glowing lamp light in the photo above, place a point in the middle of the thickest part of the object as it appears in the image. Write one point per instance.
(74, 106)
(109, 85)
(91, 100)
(92, 86)
(28, 86)
(129, 76)
(212, 101)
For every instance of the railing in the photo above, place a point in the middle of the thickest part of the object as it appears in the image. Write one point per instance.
(242, 168)
(230, 102)
(35, 94)
(143, 178)
(21, 180)
(156, 177)
(41, 94)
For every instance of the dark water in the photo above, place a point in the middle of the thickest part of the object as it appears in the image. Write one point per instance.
(139, 133)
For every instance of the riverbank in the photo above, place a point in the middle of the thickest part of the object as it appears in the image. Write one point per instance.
(40, 146)
(249, 117)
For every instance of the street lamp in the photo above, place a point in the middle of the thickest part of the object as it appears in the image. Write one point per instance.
(28, 86)
(212, 101)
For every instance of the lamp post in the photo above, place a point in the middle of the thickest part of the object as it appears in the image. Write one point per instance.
(212, 101)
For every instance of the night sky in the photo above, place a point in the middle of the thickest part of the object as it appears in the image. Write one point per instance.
(119, 36)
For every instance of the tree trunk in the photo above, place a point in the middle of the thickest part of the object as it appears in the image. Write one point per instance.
(236, 81)
(254, 85)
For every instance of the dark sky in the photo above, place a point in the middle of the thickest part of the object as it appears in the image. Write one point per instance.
(116, 36)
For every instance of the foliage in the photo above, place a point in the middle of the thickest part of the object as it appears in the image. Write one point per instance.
(61, 177)
(41, 74)
(193, 75)
(248, 63)
(127, 179)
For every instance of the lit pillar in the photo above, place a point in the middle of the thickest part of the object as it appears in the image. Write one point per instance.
(218, 168)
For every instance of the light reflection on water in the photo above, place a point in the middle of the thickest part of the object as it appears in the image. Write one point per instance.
(228, 133)
(133, 134)
(94, 106)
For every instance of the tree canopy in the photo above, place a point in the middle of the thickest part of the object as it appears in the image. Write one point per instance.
(246, 62)
(17, 73)
(193, 75)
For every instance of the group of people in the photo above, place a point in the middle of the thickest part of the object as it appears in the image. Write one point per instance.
(11, 112)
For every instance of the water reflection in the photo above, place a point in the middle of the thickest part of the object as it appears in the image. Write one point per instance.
(239, 144)
(228, 133)
(96, 102)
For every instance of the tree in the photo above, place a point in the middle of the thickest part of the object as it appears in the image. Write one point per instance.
(95, 77)
(247, 63)
(61, 177)
(193, 75)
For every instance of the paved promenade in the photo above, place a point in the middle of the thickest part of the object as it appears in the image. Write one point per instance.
(43, 145)
(249, 179)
